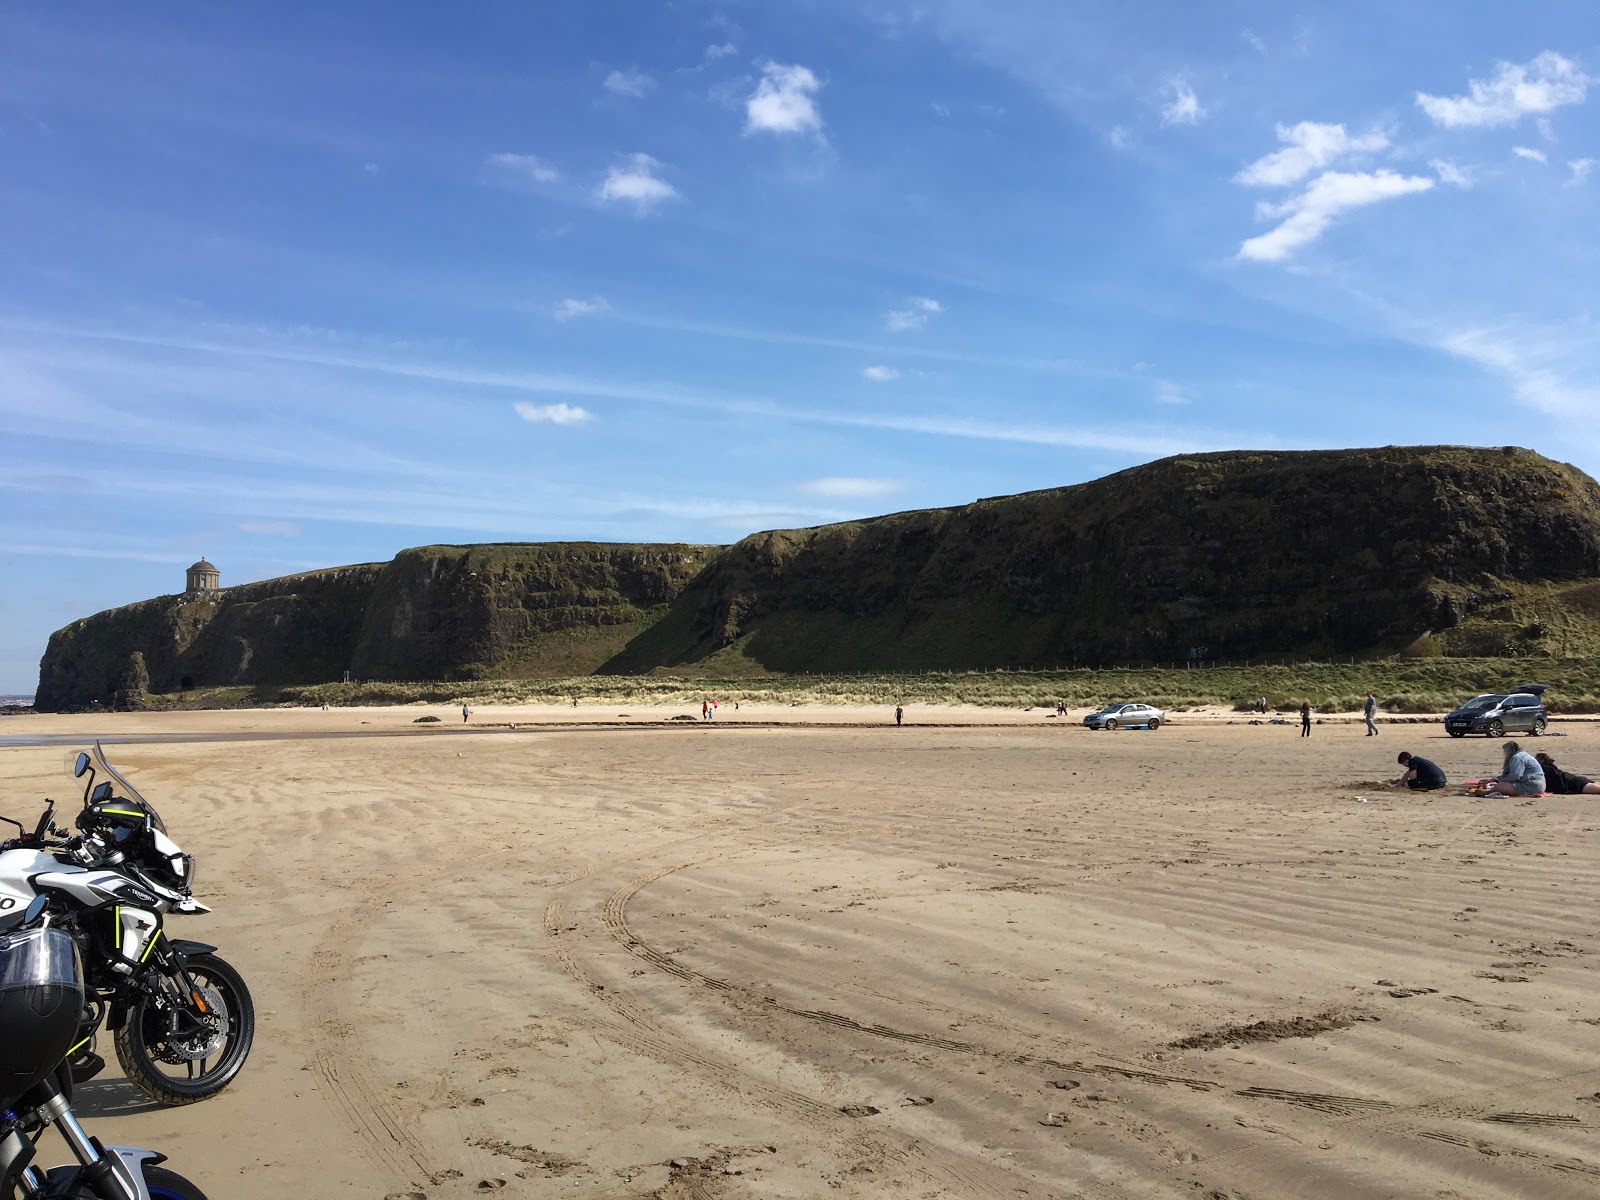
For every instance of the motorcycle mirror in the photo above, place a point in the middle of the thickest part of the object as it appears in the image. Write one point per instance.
(35, 907)
(80, 766)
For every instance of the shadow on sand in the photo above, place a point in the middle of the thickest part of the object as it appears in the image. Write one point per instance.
(110, 1098)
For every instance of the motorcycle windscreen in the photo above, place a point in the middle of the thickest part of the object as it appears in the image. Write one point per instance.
(98, 757)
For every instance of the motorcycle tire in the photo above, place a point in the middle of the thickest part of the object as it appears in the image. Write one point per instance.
(169, 1185)
(66, 1183)
(141, 1034)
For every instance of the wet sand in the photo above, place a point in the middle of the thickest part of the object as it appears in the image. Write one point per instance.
(995, 957)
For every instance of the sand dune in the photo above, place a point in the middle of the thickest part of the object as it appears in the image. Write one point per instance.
(801, 962)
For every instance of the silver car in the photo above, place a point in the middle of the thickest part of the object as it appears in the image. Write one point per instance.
(1126, 716)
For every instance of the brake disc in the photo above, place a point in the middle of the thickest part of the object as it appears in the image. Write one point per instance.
(201, 1043)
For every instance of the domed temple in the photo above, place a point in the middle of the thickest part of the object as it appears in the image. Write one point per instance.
(203, 577)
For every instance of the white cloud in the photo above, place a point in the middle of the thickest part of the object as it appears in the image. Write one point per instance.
(371, 168)
(1448, 172)
(1546, 130)
(784, 101)
(528, 166)
(1168, 392)
(1532, 360)
(1305, 217)
(1119, 137)
(846, 487)
(1530, 154)
(913, 316)
(1307, 147)
(1517, 90)
(1581, 169)
(571, 307)
(270, 528)
(720, 50)
(633, 84)
(637, 183)
(881, 374)
(1183, 106)
(1254, 41)
(554, 414)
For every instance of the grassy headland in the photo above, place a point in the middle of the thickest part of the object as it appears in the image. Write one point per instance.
(1401, 685)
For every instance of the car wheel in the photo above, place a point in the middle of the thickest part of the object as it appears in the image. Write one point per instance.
(1538, 727)
(1494, 729)
(1155, 722)
(1111, 724)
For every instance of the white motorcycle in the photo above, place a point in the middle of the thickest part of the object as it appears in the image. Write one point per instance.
(41, 999)
(182, 1017)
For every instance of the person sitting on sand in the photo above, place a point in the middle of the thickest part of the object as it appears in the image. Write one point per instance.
(1422, 775)
(1520, 776)
(1565, 783)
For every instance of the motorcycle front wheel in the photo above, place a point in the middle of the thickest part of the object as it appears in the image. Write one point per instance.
(201, 1055)
(169, 1185)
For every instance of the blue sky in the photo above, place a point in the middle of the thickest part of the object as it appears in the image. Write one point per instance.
(296, 285)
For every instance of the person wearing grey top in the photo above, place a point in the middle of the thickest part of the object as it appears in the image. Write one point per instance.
(1370, 710)
(1521, 776)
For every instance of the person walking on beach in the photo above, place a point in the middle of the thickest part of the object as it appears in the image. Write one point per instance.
(899, 715)
(705, 710)
(465, 713)
(1305, 718)
(1370, 710)
(1261, 706)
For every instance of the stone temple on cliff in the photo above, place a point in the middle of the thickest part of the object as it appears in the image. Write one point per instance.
(202, 578)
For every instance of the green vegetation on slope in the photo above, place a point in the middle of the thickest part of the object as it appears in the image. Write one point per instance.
(1402, 686)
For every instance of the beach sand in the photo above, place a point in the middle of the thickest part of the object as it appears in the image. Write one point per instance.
(1000, 956)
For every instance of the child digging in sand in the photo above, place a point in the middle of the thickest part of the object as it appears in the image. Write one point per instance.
(1422, 774)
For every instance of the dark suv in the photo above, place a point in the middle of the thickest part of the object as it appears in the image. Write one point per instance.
(1496, 714)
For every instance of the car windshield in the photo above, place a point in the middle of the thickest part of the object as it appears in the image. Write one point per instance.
(1482, 703)
(1111, 708)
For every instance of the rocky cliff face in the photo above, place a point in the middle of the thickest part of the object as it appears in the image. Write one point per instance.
(454, 612)
(1210, 556)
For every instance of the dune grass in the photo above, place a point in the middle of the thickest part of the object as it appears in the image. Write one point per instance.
(1401, 685)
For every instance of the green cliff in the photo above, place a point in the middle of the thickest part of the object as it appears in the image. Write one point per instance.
(1311, 554)
(1211, 556)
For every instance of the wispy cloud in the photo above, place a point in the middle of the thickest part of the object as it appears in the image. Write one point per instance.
(913, 316)
(1308, 147)
(720, 50)
(1119, 137)
(634, 84)
(552, 414)
(525, 167)
(881, 374)
(270, 528)
(1448, 172)
(849, 487)
(1253, 41)
(1168, 392)
(1183, 107)
(1304, 218)
(1581, 169)
(571, 307)
(1516, 90)
(1529, 153)
(1537, 363)
(784, 102)
(635, 182)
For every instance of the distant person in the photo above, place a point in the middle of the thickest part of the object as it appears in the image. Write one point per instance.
(705, 710)
(574, 702)
(1305, 718)
(1565, 783)
(1521, 774)
(1370, 710)
(1061, 708)
(465, 713)
(899, 715)
(735, 706)
(1422, 774)
(1261, 706)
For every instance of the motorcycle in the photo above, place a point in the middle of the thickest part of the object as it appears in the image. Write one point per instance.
(182, 1017)
(41, 1001)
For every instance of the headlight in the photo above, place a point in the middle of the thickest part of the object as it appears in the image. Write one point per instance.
(182, 866)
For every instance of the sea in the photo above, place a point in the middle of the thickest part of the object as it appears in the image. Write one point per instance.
(25, 701)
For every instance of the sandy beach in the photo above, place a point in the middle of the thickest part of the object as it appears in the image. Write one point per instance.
(802, 953)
